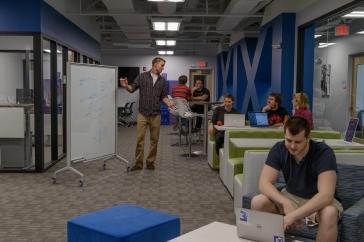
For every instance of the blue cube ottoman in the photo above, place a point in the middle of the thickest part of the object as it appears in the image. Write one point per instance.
(123, 223)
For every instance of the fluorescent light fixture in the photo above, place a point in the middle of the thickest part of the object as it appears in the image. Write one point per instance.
(159, 26)
(323, 45)
(166, 25)
(160, 42)
(173, 1)
(171, 42)
(360, 32)
(173, 26)
(165, 52)
(47, 50)
(354, 14)
(317, 35)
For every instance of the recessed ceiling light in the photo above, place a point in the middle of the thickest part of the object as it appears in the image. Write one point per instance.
(360, 32)
(159, 26)
(354, 14)
(173, 1)
(161, 52)
(160, 42)
(317, 35)
(168, 25)
(171, 42)
(169, 52)
(173, 26)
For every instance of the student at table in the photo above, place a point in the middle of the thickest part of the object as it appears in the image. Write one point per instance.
(199, 93)
(218, 119)
(301, 107)
(309, 169)
(277, 115)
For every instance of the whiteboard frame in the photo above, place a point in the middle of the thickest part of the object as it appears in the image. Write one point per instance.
(105, 158)
(69, 123)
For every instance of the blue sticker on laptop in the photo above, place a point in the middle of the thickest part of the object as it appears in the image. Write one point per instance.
(244, 216)
(277, 238)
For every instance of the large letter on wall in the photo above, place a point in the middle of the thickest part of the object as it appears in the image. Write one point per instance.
(251, 70)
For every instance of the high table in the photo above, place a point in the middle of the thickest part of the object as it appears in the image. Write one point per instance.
(205, 121)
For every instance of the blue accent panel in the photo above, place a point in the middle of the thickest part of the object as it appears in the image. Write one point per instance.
(251, 43)
(257, 68)
(263, 79)
(20, 16)
(308, 60)
(287, 64)
(58, 27)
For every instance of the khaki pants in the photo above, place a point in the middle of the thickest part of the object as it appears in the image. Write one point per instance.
(298, 202)
(154, 123)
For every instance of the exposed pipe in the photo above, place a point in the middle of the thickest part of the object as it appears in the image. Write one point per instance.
(212, 15)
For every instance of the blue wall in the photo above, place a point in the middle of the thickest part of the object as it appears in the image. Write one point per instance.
(58, 27)
(37, 16)
(20, 15)
(252, 68)
(308, 60)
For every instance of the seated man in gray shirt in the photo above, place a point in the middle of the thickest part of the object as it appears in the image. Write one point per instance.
(309, 170)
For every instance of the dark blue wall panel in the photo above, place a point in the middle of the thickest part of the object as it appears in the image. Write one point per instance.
(20, 15)
(37, 16)
(260, 66)
(58, 27)
(308, 60)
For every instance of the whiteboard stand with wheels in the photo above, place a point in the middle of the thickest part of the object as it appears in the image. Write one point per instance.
(91, 116)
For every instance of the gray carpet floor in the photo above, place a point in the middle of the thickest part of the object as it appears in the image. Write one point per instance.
(34, 209)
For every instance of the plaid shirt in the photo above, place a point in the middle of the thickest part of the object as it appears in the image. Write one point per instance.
(149, 95)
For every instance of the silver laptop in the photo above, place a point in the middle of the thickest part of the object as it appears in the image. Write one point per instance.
(259, 226)
(234, 120)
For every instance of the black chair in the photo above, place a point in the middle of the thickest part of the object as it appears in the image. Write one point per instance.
(122, 111)
(125, 119)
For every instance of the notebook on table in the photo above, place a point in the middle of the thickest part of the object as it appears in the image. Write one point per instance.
(234, 120)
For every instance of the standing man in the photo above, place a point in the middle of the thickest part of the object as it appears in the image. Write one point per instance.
(277, 115)
(218, 119)
(199, 93)
(309, 169)
(152, 90)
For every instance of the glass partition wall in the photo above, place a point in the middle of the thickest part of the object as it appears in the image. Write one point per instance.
(338, 75)
(32, 101)
(16, 103)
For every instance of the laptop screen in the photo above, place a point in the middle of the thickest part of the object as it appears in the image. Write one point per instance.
(258, 119)
(350, 131)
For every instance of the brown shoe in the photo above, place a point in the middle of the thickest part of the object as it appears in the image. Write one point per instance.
(150, 166)
(136, 167)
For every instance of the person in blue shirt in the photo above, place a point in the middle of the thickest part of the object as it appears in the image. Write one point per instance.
(309, 169)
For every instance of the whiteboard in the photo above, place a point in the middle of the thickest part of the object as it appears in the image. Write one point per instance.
(91, 111)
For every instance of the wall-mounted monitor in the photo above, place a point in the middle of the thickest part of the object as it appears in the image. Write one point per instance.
(130, 72)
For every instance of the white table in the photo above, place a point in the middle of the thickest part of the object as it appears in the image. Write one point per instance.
(268, 143)
(213, 232)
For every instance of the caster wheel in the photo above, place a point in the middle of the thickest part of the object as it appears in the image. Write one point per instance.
(128, 169)
(104, 166)
(81, 183)
(54, 180)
